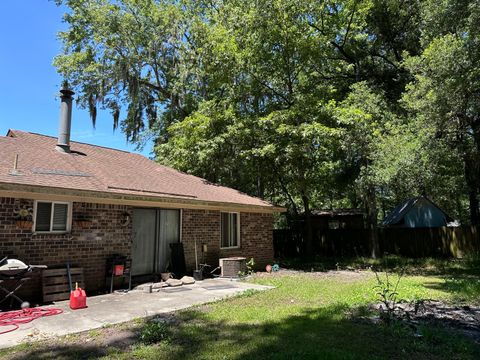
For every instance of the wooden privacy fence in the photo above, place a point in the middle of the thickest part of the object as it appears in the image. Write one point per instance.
(410, 242)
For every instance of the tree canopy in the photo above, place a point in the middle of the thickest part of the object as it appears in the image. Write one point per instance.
(309, 104)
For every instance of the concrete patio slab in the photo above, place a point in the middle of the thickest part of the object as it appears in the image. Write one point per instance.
(121, 307)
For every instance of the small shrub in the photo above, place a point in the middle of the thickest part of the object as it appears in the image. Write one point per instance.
(386, 291)
(154, 332)
(250, 265)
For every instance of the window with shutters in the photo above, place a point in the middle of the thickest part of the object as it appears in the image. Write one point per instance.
(230, 230)
(52, 216)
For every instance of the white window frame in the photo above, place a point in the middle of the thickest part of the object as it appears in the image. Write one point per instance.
(238, 230)
(69, 217)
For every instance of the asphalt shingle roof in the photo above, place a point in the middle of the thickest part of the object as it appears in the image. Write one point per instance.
(95, 168)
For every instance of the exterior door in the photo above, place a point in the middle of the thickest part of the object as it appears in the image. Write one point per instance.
(168, 232)
(144, 228)
(153, 231)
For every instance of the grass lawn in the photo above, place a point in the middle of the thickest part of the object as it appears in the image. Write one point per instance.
(307, 316)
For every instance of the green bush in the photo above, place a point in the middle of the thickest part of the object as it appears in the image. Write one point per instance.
(154, 332)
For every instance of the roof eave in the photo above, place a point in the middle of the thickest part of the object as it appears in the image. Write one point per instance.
(38, 192)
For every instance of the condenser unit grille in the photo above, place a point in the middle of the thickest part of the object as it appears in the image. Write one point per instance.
(233, 267)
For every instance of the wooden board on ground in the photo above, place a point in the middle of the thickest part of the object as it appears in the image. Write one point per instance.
(55, 284)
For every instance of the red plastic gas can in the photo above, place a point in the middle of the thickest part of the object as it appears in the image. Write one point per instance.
(78, 298)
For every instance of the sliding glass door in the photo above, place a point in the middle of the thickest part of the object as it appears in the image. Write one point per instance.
(153, 232)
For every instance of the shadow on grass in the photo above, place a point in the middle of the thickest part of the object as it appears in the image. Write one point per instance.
(94, 344)
(316, 333)
(322, 333)
(60, 352)
(462, 289)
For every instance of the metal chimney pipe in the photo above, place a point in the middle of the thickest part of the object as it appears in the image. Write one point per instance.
(65, 124)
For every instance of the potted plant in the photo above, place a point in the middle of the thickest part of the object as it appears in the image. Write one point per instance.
(165, 275)
(24, 217)
(82, 221)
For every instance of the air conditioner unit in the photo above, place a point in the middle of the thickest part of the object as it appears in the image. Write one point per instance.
(233, 267)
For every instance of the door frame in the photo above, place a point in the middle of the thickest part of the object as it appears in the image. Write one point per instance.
(156, 235)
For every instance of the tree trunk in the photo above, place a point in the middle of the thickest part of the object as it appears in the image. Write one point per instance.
(371, 209)
(474, 207)
(472, 180)
(309, 248)
(260, 186)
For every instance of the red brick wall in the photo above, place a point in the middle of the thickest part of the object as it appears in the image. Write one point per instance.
(87, 246)
(256, 237)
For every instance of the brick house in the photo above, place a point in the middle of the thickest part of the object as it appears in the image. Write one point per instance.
(67, 201)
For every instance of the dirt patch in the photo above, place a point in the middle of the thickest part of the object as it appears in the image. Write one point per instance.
(340, 275)
(464, 318)
(119, 338)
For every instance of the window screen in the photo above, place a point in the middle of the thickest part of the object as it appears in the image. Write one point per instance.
(60, 215)
(51, 216)
(229, 229)
(44, 212)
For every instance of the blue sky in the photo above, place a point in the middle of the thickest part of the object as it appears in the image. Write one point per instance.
(29, 83)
